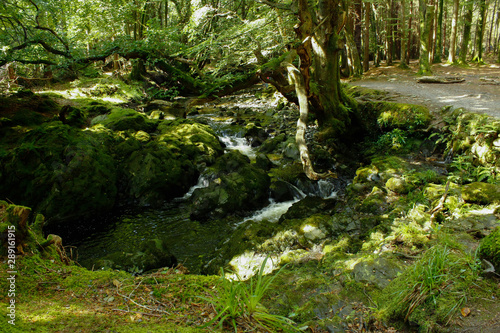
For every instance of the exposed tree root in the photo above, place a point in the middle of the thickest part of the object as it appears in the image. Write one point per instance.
(300, 89)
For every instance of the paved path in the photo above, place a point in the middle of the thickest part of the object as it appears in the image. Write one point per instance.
(479, 93)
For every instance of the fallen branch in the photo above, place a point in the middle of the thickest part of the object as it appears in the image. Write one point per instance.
(141, 313)
(435, 79)
(440, 205)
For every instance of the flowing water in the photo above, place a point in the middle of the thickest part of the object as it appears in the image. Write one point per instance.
(191, 242)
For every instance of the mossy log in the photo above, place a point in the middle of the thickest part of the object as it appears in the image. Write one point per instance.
(436, 79)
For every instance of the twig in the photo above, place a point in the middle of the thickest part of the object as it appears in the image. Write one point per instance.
(142, 313)
(440, 205)
(142, 306)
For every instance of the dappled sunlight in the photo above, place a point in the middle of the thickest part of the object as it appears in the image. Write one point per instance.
(246, 265)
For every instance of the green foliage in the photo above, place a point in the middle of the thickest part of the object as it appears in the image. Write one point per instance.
(490, 248)
(239, 302)
(466, 169)
(434, 288)
(393, 140)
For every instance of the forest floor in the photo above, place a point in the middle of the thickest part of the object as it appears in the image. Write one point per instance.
(479, 93)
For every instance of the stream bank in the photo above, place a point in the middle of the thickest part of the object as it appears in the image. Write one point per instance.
(345, 252)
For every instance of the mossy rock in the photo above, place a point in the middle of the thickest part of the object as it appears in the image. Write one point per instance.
(152, 254)
(378, 272)
(382, 169)
(126, 119)
(238, 185)
(436, 191)
(309, 206)
(398, 185)
(198, 141)
(481, 193)
(22, 237)
(402, 116)
(270, 145)
(54, 164)
(156, 172)
(375, 202)
(26, 108)
(73, 116)
(490, 248)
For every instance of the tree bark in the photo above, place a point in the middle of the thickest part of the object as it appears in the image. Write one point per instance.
(366, 55)
(301, 91)
(439, 43)
(426, 15)
(403, 35)
(467, 32)
(481, 23)
(453, 34)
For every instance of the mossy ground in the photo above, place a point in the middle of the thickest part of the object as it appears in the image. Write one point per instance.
(52, 297)
(323, 288)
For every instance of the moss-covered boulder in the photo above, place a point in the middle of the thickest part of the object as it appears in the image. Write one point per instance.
(125, 119)
(379, 271)
(197, 141)
(375, 203)
(382, 168)
(152, 254)
(481, 193)
(490, 248)
(397, 185)
(238, 187)
(27, 109)
(309, 206)
(60, 171)
(402, 116)
(20, 236)
(155, 173)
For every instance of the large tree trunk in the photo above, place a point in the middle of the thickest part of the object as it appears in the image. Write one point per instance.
(492, 21)
(317, 80)
(467, 32)
(353, 59)
(403, 36)
(366, 55)
(439, 29)
(453, 37)
(426, 15)
(481, 23)
(300, 138)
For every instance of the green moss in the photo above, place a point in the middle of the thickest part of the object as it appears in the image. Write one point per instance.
(127, 119)
(53, 165)
(481, 193)
(398, 185)
(402, 116)
(490, 247)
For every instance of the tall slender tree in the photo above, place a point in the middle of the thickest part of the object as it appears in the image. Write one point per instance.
(480, 27)
(453, 33)
(426, 16)
(467, 31)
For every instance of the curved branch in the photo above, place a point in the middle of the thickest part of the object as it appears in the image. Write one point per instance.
(300, 89)
(39, 27)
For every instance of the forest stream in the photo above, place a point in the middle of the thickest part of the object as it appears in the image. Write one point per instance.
(193, 244)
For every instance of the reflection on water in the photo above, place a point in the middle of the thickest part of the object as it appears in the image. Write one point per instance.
(189, 241)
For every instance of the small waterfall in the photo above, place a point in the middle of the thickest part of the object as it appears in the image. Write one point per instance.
(240, 144)
(203, 182)
(326, 189)
(270, 213)
(323, 188)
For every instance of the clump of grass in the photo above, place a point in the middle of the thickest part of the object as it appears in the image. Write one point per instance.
(433, 289)
(238, 304)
